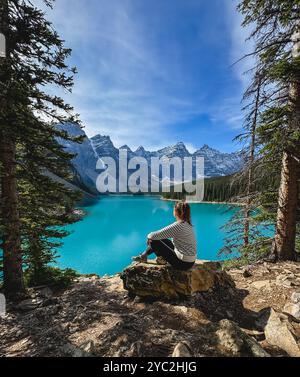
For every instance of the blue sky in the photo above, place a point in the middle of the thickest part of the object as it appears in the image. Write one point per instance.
(155, 72)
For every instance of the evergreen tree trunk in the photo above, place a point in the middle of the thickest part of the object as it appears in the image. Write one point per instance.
(11, 239)
(12, 255)
(284, 243)
(285, 238)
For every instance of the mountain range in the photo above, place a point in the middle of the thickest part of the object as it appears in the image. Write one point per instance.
(89, 151)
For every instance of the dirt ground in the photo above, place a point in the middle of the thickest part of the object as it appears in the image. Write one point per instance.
(95, 317)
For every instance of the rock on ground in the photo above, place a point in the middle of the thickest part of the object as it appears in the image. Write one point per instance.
(182, 349)
(237, 342)
(292, 309)
(280, 332)
(153, 280)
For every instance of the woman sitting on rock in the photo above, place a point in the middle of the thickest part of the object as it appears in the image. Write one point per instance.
(181, 253)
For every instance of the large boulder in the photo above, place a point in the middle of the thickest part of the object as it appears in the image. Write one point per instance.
(282, 332)
(154, 280)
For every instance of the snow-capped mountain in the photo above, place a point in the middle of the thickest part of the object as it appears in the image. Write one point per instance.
(216, 163)
(104, 147)
(141, 152)
(177, 150)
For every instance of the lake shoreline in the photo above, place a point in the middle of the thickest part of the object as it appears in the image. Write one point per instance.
(205, 202)
(174, 200)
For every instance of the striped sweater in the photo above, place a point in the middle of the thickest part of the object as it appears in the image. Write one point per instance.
(183, 239)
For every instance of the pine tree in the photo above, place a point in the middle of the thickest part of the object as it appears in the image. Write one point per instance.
(33, 164)
(46, 206)
(276, 35)
(11, 237)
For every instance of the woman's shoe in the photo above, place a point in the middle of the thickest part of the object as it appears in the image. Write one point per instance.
(161, 260)
(140, 258)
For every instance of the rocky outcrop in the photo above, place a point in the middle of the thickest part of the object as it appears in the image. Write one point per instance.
(163, 281)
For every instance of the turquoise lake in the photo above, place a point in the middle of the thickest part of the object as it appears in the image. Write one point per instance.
(115, 229)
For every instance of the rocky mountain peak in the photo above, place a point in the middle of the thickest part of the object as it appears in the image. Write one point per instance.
(206, 149)
(140, 149)
(177, 150)
(126, 147)
(103, 146)
(103, 139)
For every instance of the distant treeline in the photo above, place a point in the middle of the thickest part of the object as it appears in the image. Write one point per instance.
(225, 189)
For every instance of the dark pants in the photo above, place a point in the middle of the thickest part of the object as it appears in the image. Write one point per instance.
(165, 248)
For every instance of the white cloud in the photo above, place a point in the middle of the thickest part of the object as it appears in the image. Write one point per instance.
(127, 87)
(240, 46)
(229, 111)
(124, 87)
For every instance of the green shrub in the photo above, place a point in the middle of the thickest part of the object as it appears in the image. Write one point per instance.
(50, 276)
(235, 263)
